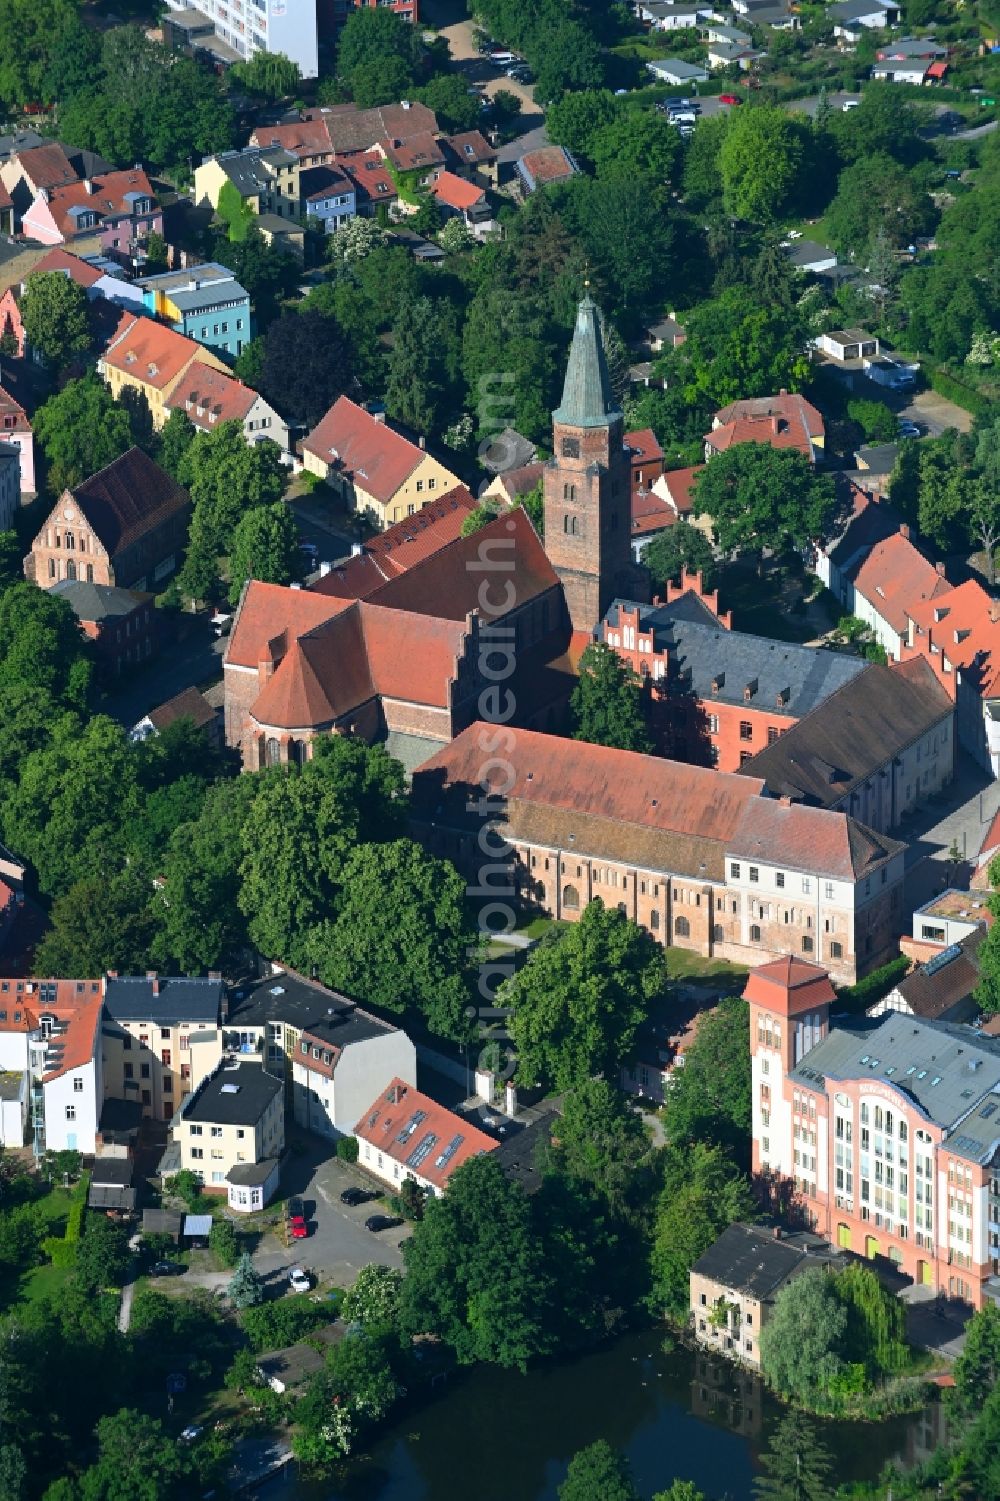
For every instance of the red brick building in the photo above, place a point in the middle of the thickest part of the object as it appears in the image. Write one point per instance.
(122, 624)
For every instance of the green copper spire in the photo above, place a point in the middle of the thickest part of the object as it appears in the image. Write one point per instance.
(587, 400)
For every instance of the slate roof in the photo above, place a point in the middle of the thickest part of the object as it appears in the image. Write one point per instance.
(233, 1096)
(97, 601)
(871, 718)
(330, 1035)
(789, 680)
(316, 183)
(245, 171)
(950, 977)
(896, 577)
(128, 498)
(206, 285)
(749, 1260)
(854, 10)
(184, 998)
(806, 253)
(946, 1070)
(587, 398)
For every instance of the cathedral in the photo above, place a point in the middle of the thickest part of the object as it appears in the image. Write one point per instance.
(406, 653)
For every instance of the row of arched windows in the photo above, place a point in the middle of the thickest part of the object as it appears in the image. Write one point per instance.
(682, 925)
(296, 752)
(85, 574)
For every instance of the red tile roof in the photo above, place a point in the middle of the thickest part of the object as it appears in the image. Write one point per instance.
(789, 986)
(990, 846)
(455, 192)
(129, 498)
(209, 397)
(371, 177)
(364, 652)
(106, 196)
(270, 613)
(680, 486)
(805, 838)
(779, 432)
(304, 138)
(399, 547)
(650, 513)
(76, 1003)
(791, 406)
(77, 270)
(150, 352)
(623, 786)
(393, 1115)
(412, 152)
(6, 201)
(353, 441)
(188, 704)
(965, 624)
(643, 446)
(9, 407)
(46, 166)
(895, 578)
(937, 70)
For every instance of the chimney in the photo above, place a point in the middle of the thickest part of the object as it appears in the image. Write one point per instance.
(783, 391)
(939, 568)
(994, 611)
(904, 531)
(88, 186)
(154, 980)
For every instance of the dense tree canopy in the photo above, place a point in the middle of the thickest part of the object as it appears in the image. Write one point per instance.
(608, 702)
(709, 1098)
(759, 496)
(265, 546)
(54, 310)
(678, 547)
(307, 362)
(81, 429)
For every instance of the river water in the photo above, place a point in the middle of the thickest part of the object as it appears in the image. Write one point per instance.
(499, 1436)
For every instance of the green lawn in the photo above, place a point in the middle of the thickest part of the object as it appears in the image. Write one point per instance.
(43, 1282)
(683, 964)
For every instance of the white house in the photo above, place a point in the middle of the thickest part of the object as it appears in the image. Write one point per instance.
(674, 70)
(340, 1063)
(679, 16)
(405, 1134)
(852, 17)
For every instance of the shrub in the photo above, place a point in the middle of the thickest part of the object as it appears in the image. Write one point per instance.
(61, 1253)
(271, 1326)
(962, 395)
(347, 1149)
(224, 1243)
(873, 987)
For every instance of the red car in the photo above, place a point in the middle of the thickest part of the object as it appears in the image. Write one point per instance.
(298, 1228)
(729, 99)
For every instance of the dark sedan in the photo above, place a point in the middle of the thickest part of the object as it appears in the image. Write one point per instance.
(357, 1196)
(377, 1222)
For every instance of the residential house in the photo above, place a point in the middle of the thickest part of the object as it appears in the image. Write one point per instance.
(39, 166)
(121, 623)
(189, 704)
(99, 276)
(732, 54)
(809, 256)
(373, 182)
(511, 484)
(682, 15)
(647, 458)
(328, 198)
(942, 988)
(126, 525)
(342, 130)
(205, 303)
(894, 577)
(835, 1109)
(405, 1134)
(949, 917)
(734, 1285)
(676, 71)
(208, 396)
(957, 632)
(338, 11)
(265, 177)
(667, 334)
(901, 49)
(785, 421)
(546, 164)
(701, 859)
(231, 1133)
(469, 154)
(342, 1060)
(716, 31)
(10, 484)
(394, 551)
(162, 1037)
(460, 198)
(780, 17)
(417, 155)
(150, 358)
(651, 515)
(878, 747)
(374, 469)
(50, 1037)
(117, 211)
(15, 432)
(876, 462)
(851, 18)
(678, 488)
(729, 694)
(911, 60)
(867, 522)
(11, 323)
(6, 212)
(291, 30)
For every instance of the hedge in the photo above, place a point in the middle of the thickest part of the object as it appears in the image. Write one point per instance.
(962, 395)
(873, 987)
(61, 1249)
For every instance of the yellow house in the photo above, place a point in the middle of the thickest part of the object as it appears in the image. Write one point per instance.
(377, 471)
(149, 357)
(265, 177)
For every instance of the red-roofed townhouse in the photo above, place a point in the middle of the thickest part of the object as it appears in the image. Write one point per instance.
(460, 198)
(208, 396)
(785, 421)
(470, 152)
(118, 210)
(894, 577)
(50, 1035)
(11, 325)
(15, 429)
(373, 183)
(647, 458)
(398, 548)
(958, 632)
(151, 358)
(405, 1134)
(376, 470)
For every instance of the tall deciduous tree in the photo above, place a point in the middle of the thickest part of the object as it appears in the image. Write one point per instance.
(81, 429)
(307, 362)
(977, 1369)
(736, 348)
(803, 1344)
(417, 387)
(227, 477)
(760, 161)
(680, 546)
(709, 1097)
(54, 310)
(703, 1193)
(265, 546)
(602, 1141)
(607, 704)
(762, 497)
(598, 1473)
(102, 922)
(477, 1275)
(402, 935)
(580, 998)
(272, 75)
(200, 924)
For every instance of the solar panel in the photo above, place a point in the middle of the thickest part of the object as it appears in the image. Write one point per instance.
(422, 1150)
(987, 1111)
(450, 1150)
(415, 1120)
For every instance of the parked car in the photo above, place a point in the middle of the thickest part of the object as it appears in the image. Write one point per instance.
(730, 99)
(166, 1269)
(299, 1280)
(377, 1222)
(910, 430)
(297, 1228)
(850, 104)
(357, 1195)
(295, 1209)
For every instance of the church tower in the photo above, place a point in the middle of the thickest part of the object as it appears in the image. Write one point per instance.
(587, 483)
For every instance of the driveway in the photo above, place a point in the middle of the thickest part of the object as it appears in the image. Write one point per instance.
(448, 20)
(959, 820)
(936, 413)
(810, 106)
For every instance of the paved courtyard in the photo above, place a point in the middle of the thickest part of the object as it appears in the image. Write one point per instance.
(958, 820)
